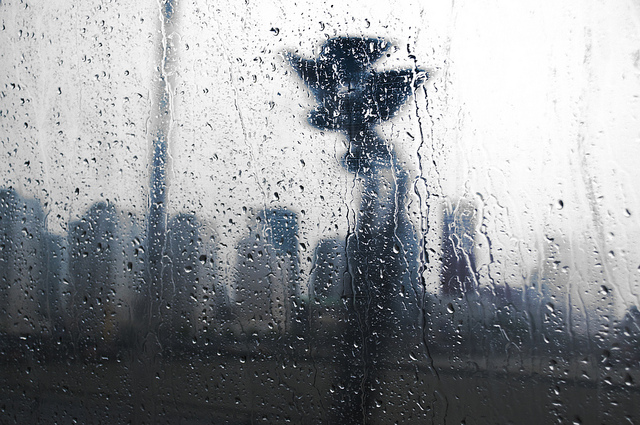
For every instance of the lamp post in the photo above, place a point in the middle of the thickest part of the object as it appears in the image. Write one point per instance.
(352, 98)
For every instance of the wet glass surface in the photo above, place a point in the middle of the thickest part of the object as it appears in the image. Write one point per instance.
(342, 213)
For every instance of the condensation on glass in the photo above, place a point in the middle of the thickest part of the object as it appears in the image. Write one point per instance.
(276, 212)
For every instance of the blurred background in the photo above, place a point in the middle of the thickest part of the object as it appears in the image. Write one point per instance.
(175, 236)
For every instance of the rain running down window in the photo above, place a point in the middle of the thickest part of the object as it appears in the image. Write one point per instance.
(336, 212)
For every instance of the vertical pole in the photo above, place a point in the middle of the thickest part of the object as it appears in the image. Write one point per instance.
(147, 358)
(373, 265)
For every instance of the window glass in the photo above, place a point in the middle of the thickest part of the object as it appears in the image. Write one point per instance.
(323, 212)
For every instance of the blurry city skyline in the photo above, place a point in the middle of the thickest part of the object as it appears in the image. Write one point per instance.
(104, 257)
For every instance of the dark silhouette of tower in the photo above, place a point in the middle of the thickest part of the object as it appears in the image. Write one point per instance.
(186, 282)
(149, 314)
(267, 272)
(458, 245)
(24, 269)
(94, 245)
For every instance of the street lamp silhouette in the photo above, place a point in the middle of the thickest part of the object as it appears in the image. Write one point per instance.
(352, 98)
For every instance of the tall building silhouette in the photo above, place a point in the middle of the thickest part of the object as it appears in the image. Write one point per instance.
(267, 271)
(56, 262)
(24, 268)
(188, 284)
(95, 260)
(330, 277)
(458, 245)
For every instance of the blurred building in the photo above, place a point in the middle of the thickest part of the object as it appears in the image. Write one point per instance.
(25, 266)
(330, 276)
(458, 245)
(267, 272)
(53, 291)
(96, 258)
(189, 296)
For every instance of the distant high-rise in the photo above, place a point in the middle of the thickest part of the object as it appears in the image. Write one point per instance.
(23, 265)
(52, 307)
(281, 229)
(267, 270)
(95, 259)
(188, 286)
(458, 245)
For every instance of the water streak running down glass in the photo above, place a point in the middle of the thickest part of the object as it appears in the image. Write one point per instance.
(272, 212)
